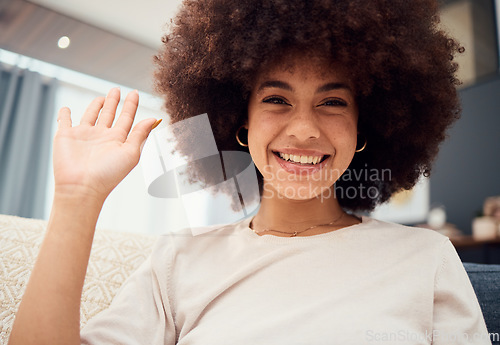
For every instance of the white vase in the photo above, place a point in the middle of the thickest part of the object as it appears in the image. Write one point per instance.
(484, 228)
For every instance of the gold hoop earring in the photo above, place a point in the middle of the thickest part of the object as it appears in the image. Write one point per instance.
(238, 139)
(364, 146)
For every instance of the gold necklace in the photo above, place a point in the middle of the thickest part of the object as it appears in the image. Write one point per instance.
(295, 233)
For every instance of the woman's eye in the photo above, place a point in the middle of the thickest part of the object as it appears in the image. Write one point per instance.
(334, 103)
(275, 100)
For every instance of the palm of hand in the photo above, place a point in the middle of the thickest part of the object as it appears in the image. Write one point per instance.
(95, 157)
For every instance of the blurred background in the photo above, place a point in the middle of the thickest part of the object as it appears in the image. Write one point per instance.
(65, 53)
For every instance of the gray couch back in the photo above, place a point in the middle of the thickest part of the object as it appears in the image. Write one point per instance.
(486, 282)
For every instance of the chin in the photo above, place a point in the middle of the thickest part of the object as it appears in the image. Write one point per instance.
(298, 192)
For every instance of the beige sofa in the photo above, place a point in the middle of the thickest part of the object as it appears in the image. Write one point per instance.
(113, 258)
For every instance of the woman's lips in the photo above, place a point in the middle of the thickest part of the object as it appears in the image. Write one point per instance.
(300, 152)
(299, 168)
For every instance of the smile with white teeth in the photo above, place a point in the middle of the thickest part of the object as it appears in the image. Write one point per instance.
(300, 159)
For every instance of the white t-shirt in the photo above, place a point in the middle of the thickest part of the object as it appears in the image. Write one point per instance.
(370, 283)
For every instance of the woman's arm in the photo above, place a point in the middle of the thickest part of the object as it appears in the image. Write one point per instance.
(457, 317)
(89, 161)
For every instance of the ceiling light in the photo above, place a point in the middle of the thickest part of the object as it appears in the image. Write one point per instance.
(63, 42)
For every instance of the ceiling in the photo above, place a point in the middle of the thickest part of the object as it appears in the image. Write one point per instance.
(144, 23)
(111, 39)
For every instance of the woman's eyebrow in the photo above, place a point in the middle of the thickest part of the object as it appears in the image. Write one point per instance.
(285, 86)
(275, 83)
(333, 86)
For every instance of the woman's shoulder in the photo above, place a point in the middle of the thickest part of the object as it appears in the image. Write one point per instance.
(191, 237)
(393, 234)
(392, 245)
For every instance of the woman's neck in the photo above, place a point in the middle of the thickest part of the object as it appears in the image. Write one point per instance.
(287, 216)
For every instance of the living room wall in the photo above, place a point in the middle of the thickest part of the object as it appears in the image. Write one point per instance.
(468, 166)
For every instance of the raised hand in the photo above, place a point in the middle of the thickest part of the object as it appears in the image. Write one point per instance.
(89, 161)
(93, 157)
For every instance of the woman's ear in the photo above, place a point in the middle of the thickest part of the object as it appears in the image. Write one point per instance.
(245, 122)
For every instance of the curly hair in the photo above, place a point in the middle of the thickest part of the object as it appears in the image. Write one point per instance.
(399, 60)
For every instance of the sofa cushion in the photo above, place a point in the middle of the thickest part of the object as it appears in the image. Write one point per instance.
(486, 282)
(113, 258)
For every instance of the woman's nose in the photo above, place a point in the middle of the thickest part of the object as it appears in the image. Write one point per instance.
(303, 125)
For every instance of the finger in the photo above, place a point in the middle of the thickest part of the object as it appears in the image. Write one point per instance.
(92, 112)
(127, 115)
(64, 118)
(140, 132)
(109, 109)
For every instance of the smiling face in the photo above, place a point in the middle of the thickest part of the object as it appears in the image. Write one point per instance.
(302, 127)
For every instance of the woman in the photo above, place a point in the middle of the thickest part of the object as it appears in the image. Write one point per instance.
(331, 94)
